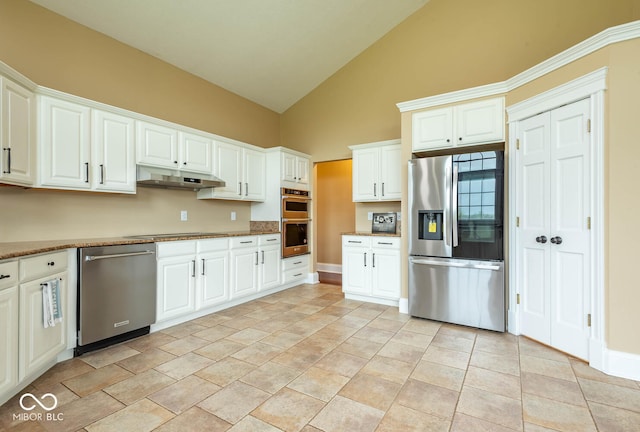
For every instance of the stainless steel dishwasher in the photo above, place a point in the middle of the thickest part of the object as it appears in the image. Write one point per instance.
(116, 294)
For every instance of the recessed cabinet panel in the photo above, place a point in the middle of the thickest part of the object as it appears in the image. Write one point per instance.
(64, 144)
(157, 145)
(8, 339)
(114, 152)
(196, 153)
(377, 172)
(17, 139)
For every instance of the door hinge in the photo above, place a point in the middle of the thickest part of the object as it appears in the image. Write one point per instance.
(518, 221)
(589, 125)
(517, 298)
(589, 223)
(588, 320)
(518, 144)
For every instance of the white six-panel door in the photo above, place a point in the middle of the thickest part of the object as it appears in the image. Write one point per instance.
(553, 242)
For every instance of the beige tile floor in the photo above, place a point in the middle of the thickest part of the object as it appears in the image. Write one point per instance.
(307, 359)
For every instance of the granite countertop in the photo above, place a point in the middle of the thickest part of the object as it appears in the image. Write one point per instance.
(18, 249)
(361, 233)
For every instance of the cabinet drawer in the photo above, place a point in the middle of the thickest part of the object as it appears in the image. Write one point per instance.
(213, 245)
(294, 263)
(42, 265)
(240, 242)
(175, 248)
(356, 241)
(8, 274)
(269, 239)
(385, 242)
(295, 274)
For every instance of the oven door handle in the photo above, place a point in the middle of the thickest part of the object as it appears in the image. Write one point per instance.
(296, 220)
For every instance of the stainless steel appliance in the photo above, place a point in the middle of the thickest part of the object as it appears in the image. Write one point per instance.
(174, 179)
(296, 206)
(456, 269)
(116, 294)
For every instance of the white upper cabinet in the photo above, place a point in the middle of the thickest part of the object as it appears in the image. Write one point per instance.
(113, 152)
(65, 144)
(17, 138)
(85, 149)
(466, 124)
(243, 171)
(165, 147)
(195, 153)
(295, 171)
(157, 145)
(377, 171)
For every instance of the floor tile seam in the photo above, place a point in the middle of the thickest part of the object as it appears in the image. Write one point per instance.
(293, 390)
(587, 400)
(605, 383)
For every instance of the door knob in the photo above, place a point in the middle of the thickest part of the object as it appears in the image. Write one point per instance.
(542, 239)
(556, 240)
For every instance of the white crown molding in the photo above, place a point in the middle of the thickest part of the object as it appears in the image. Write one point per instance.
(10, 72)
(605, 38)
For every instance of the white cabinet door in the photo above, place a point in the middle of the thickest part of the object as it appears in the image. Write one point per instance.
(157, 145)
(254, 176)
(365, 175)
(17, 140)
(65, 141)
(8, 339)
(269, 267)
(356, 275)
(176, 286)
(385, 273)
(39, 346)
(390, 173)
(228, 167)
(289, 167)
(196, 153)
(302, 170)
(214, 278)
(480, 122)
(113, 153)
(554, 201)
(432, 129)
(244, 272)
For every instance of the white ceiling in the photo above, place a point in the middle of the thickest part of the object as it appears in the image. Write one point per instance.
(272, 52)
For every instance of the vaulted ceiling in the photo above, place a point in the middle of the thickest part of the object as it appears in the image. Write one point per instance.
(272, 52)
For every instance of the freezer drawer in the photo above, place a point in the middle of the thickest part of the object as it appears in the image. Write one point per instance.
(466, 292)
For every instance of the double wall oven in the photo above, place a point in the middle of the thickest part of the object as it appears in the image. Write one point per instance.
(296, 207)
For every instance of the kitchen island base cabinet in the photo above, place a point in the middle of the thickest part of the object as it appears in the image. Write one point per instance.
(371, 269)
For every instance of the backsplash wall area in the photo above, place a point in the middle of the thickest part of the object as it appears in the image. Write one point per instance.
(39, 214)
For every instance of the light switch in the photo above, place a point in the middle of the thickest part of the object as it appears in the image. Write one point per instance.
(370, 216)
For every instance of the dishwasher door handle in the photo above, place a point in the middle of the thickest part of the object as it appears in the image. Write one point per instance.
(454, 264)
(99, 257)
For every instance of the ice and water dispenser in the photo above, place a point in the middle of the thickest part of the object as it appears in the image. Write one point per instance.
(430, 224)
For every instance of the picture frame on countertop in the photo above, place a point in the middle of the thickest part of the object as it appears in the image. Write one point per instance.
(384, 223)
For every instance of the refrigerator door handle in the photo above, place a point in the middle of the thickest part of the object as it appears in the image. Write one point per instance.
(454, 204)
(447, 209)
(454, 264)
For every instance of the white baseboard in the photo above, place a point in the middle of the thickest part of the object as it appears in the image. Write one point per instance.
(312, 278)
(621, 364)
(403, 306)
(329, 268)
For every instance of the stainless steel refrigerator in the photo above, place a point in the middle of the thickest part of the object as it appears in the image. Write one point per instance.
(456, 267)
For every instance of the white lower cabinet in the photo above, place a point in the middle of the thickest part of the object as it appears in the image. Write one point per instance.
(371, 268)
(244, 266)
(8, 326)
(269, 267)
(295, 269)
(213, 281)
(176, 279)
(39, 346)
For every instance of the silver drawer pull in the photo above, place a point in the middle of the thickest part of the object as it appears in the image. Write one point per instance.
(385, 243)
(246, 242)
(273, 239)
(353, 241)
(296, 275)
(297, 262)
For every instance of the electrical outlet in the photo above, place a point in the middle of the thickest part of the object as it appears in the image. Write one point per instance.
(233, 215)
(370, 216)
(183, 215)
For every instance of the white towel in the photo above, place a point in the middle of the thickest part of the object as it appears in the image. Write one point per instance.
(51, 310)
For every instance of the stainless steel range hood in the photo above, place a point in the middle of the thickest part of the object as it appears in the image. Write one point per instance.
(172, 179)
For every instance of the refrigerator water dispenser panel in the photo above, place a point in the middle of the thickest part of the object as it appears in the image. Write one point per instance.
(430, 224)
